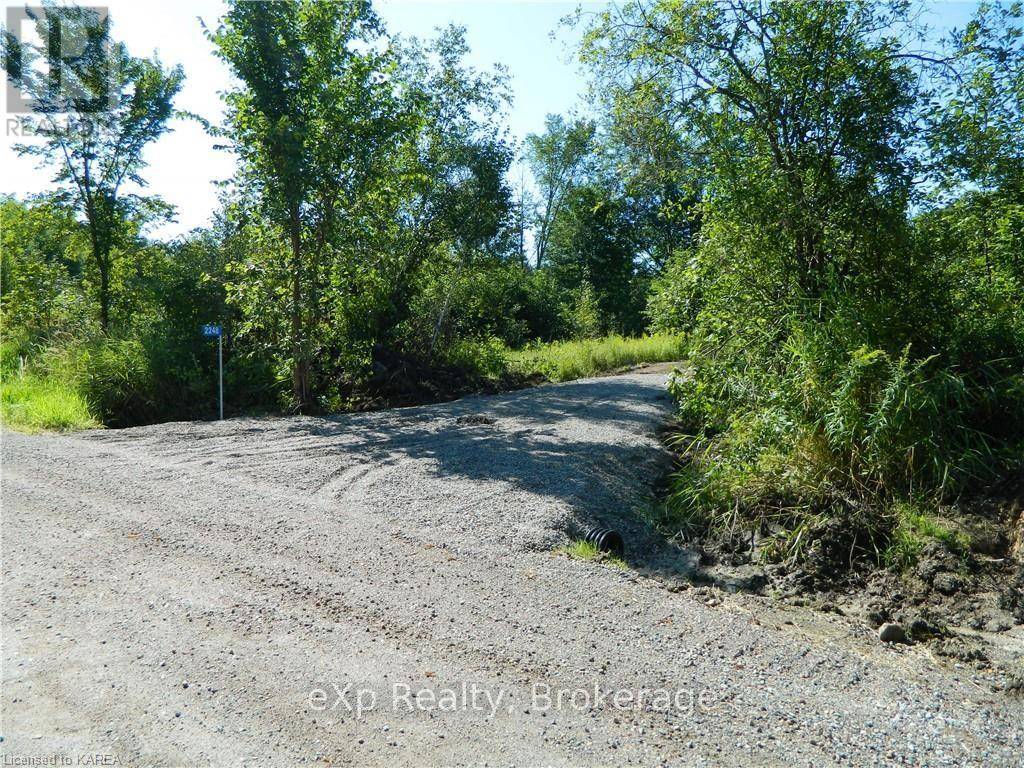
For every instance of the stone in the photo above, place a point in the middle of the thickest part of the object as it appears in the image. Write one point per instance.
(744, 578)
(947, 583)
(892, 633)
(875, 613)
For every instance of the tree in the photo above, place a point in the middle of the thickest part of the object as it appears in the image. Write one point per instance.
(592, 247)
(560, 158)
(975, 111)
(802, 114)
(839, 331)
(41, 252)
(312, 123)
(463, 202)
(97, 112)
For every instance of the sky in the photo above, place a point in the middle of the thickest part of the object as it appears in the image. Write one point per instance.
(523, 35)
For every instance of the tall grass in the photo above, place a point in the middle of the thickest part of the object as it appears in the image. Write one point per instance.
(30, 403)
(567, 360)
(819, 434)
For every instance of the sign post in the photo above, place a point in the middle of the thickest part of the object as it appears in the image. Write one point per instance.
(210, 331)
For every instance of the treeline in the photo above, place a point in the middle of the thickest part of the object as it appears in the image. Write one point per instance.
(370, 247)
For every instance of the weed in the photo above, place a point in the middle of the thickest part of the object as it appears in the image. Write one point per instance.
(584, 550)
(913, 528)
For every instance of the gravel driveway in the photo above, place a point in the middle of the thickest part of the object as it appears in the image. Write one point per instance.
(383, 589)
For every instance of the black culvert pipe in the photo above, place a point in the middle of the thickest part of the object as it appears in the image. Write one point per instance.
(606, 540)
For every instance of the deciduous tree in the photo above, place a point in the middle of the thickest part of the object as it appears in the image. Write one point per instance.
(96, 112)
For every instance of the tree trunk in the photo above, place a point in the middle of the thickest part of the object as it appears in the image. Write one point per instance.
(104, 303)
(300, 364)
(104, 270)
(100, 255)
(443, 314)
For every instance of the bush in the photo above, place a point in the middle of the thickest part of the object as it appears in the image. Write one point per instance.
(674, 298)
(112, 375)
(825, 425)
(582, 318)
(901, 382)
(483, 360)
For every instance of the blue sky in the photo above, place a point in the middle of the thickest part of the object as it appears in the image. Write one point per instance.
(518, 34)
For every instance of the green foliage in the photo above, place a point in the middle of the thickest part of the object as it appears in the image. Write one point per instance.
(32, 404)
(591, 258)
(484, 361)
(42, 251)
(974, 119)
(114, 376)
(582, 317)
(95, 128)
(674, 299)
(912, 528)
(560, 158)
(363, 222)
(316, 125)
(752, 194)
(846, 349)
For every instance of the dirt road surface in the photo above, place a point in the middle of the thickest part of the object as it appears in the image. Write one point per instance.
(382, 589)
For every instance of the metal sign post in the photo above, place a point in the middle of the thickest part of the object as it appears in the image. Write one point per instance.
(216, 330)
(220, 373)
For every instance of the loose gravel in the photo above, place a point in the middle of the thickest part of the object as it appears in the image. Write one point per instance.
(283, 591)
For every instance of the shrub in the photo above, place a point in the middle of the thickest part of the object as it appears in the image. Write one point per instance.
(674, 299)
(483, 360)
(582, 316)
(112, 375)
(820, 430)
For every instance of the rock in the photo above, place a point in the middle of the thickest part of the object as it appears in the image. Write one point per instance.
(947, 583)
(921, 626)
(966, 650)
(476, 419)
(744, 578)
(935, 559)
(997, 624)
(1017, 538)
(875, 613)
(1011, 598)
(892, 633)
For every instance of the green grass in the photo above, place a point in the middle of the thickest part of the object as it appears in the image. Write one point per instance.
(568, 360)
(29, 403)
(913, 529)
(584, 550)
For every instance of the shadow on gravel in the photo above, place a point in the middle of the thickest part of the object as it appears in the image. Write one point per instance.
(538, 440)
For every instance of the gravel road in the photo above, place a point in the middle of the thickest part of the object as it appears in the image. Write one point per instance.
(383, 589)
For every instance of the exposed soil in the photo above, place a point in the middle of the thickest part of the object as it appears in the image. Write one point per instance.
(964, 605)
